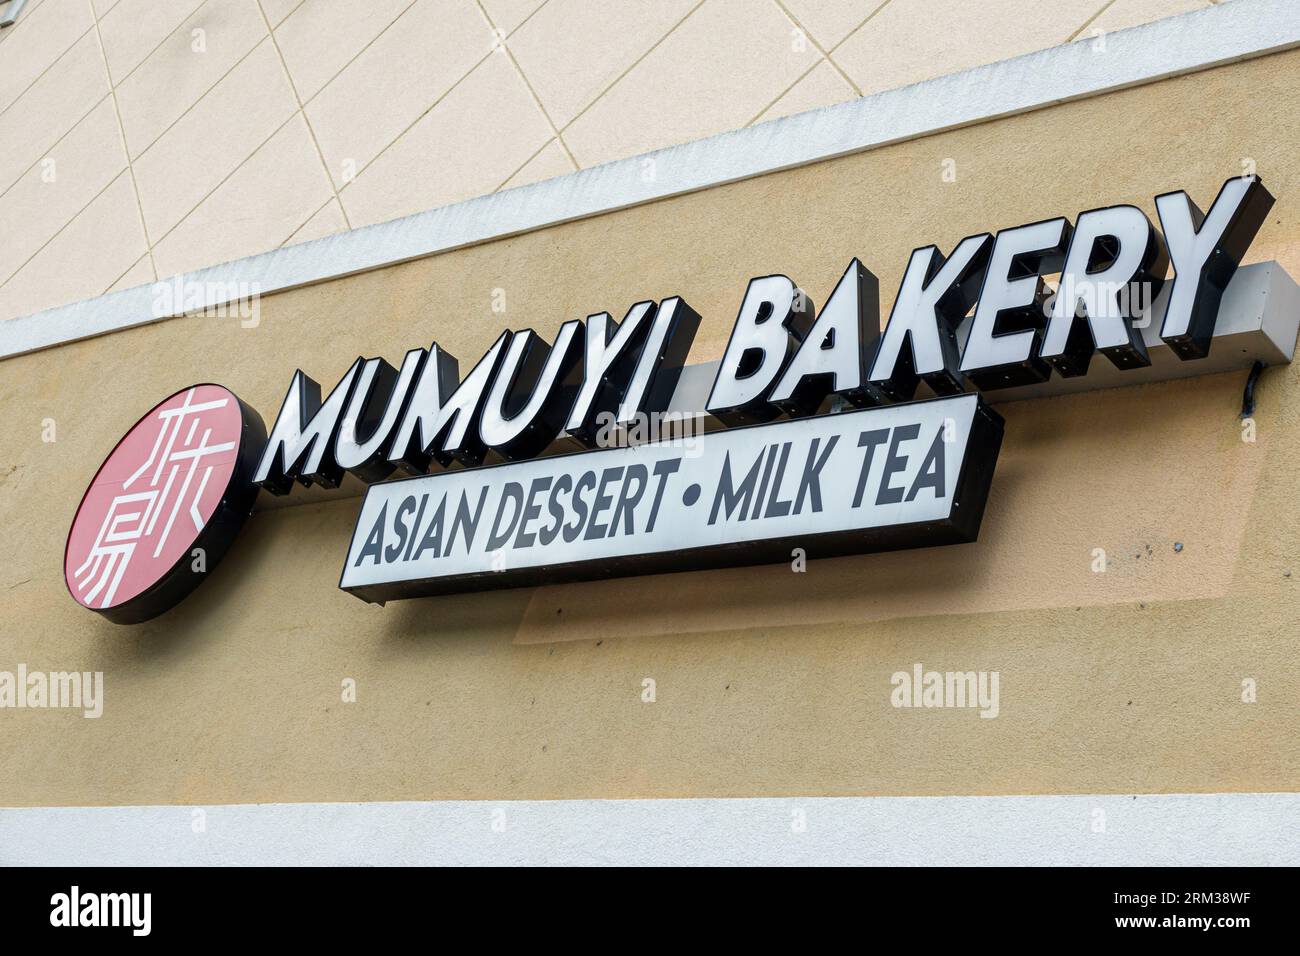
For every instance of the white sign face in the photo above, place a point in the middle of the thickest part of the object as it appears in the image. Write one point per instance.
(874, 479)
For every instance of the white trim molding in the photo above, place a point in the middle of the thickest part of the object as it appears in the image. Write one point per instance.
(1194, 41)
(1240, 829)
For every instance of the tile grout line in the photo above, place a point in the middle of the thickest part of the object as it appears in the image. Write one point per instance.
(845, 39)
(124, 274)
(411, 125)
(525, 163)
(316, 212)
(293, 88)
(126, 152)
(226, 178)
(197, 100)
(6, 34)
(295, 9)
(152, 50)
(53, 63)
(825, 57)
(44, 153)
(826, 53)
(427, 110)
(634, 64)
(759, 115)
(352, 59)
(63, 228)
(501, 37)
(1091, 20)
(820, 49)
(26, 15)
(26, 18)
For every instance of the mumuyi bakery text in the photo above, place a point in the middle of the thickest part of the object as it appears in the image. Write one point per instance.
(784, 356)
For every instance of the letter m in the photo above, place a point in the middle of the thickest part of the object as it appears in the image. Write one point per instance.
(301, 445)
(116, 909)
(730, 498)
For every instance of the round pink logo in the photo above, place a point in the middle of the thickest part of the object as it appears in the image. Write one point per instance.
(165, 505)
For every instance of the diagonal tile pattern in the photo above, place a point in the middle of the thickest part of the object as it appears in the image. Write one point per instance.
(146, 137)
(943, 36)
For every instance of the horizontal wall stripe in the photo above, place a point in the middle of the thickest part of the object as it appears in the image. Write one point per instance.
(1175, 46)
(1148, 830)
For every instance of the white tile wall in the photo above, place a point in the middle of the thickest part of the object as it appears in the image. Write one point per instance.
(254, 123)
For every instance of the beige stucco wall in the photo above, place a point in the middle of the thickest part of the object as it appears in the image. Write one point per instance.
(143, 138)
(768, 682)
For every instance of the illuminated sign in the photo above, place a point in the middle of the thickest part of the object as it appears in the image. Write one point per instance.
(164, 507)
(901, 476)
(815, 440)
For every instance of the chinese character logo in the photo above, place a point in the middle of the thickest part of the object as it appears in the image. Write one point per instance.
(165, 505)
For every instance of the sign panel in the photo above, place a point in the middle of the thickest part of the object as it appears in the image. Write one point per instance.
(785, 477)
(165, 505)
(898, 476)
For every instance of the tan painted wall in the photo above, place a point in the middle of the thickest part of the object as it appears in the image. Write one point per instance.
(768, 682)
(334, 114)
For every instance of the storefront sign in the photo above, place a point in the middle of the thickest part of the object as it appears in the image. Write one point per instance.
(165, 505)
(888, 473)
(902, 476)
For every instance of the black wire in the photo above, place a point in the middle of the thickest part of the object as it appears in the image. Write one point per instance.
(1248, 396)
